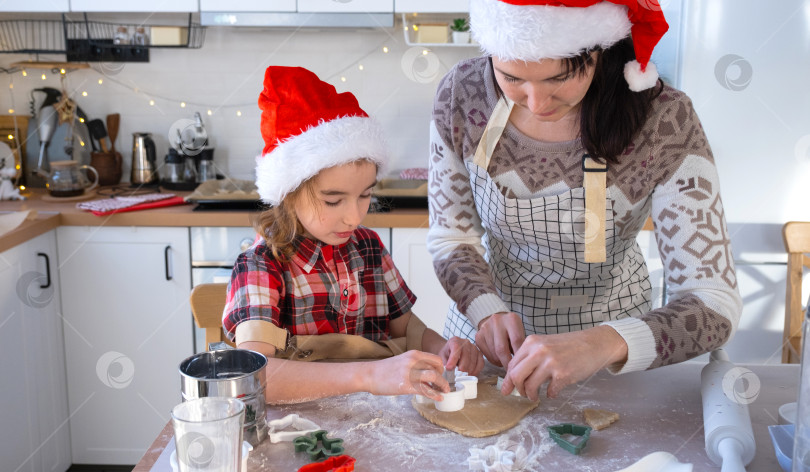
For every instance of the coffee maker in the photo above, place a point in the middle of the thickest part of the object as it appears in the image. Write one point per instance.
(144, 167)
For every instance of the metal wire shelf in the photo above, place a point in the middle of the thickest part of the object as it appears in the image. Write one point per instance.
(101, 34)
(32, 36)
(52, 36)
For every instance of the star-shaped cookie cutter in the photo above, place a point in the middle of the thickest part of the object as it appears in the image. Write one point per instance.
(318, 446)
(491, 459)
(301, 426)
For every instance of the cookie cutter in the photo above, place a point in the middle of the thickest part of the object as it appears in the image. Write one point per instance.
(491, 459)
(318, 446)
(470, 386)
(342, 463)
(498, 385)
(557, 431)
(452, 400)
(301, 426)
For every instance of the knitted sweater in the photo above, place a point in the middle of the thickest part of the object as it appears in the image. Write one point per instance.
(667, 171)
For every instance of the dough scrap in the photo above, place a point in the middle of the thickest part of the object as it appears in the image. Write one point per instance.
(489, 414)
(599, 419)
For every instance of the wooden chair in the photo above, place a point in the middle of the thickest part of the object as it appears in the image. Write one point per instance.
(796, 236)
(207, 303)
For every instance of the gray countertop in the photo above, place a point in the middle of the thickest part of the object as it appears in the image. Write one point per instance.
(661, 410)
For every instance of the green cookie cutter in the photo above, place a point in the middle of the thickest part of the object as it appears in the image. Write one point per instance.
(309, 443)
(557, 431)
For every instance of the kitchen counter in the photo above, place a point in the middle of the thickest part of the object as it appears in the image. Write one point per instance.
(53, 214)
(661, 410)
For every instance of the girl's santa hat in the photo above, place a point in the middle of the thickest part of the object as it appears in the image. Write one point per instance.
(307, 127)
(531, 30)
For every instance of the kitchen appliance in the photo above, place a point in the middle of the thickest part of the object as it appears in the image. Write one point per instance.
(207, 170)
(46, 118)
(237, 373)
(66, 179)
(144, 168)
(174, 167)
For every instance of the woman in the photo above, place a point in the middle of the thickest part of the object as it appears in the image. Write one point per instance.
(547, 157)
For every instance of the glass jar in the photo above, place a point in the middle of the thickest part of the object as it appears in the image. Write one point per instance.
(801, 440)
(121, 36)
(140, 38)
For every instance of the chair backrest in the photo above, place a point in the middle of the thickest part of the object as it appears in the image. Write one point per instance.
(207, 304)
(796, 236)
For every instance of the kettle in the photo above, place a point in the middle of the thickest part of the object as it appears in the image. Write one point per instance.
(144, 168)
(66, 179)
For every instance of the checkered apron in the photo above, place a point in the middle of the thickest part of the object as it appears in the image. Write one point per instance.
(535, 251)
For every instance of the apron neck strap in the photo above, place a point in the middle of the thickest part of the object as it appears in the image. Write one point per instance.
(493, 131)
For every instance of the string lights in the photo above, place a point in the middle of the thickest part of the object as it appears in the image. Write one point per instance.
(343, 76)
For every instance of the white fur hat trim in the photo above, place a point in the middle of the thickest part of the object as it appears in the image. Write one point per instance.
(531, 33)
(638, 80)
(329, 144)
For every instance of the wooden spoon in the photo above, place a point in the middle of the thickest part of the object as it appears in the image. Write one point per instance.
(113, 121)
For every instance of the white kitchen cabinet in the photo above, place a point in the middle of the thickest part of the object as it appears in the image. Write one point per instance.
(128, 326)
(248, 5)
(35, 6)
(151, 6)
(34, 431)
(409, 251)
(431, 6)
(352, 6)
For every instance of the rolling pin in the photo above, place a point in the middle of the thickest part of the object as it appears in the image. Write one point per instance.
(726, 422)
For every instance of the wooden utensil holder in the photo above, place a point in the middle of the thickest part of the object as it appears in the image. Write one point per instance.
(108, 165)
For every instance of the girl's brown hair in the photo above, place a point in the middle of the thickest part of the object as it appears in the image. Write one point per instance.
(279, 226)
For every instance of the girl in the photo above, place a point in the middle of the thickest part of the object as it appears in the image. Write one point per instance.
(317, 285)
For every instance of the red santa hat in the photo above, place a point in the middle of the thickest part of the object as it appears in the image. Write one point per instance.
(531, 30)
(307, 127)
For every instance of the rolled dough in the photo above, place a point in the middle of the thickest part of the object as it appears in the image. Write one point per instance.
(489, 414)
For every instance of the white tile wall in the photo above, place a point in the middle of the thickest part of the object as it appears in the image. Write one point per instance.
(226, 75)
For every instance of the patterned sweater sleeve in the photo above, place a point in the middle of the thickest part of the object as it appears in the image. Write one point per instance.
(704, 304)
(253, 292)
(454, 237)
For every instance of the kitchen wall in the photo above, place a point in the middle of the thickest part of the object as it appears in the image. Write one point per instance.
(225, 76)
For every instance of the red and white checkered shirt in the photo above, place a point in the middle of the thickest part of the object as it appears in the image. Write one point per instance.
(353, 288)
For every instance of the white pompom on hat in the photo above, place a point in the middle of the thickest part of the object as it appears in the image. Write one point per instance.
(532, 30)
(307, 127)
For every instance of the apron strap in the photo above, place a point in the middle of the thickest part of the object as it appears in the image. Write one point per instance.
(595, 183)
(493, 131)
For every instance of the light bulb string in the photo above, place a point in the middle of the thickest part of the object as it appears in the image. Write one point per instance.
(155, 96)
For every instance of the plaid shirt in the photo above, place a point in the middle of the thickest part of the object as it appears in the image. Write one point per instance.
(353, 288)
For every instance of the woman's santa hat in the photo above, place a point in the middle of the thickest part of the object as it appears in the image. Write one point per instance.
(531, 30)
(307, 127)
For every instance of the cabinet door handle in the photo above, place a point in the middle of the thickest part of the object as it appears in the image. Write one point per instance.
(47, 270)
(166, 251)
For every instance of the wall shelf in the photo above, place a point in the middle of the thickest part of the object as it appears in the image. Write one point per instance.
(411, 34)
(89, 40)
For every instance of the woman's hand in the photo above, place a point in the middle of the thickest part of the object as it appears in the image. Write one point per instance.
(562, 359)
(499, 336)
(411, 372)
(458, 352)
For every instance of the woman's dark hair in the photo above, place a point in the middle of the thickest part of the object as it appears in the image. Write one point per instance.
(611, 113)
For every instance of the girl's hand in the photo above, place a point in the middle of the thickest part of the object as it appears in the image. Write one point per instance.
(413, 372)
(499, 336)
(458, 352)
(562, 359)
